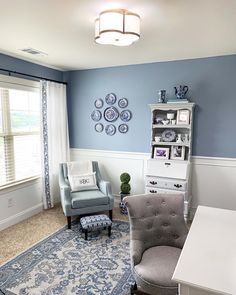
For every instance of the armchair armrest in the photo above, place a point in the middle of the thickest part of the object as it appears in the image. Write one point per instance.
(105, 187)
(136, 251)
(62, 182)
(64, 188)
(63, 185)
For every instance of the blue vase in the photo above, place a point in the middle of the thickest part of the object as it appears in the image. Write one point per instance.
(161, 96)
(181, 91)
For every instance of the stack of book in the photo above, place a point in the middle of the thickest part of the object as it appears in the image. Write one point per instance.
(175, 100)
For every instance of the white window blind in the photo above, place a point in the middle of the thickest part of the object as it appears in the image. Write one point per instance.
(19, 131)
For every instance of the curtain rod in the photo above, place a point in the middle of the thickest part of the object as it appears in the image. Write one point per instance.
(32, 76)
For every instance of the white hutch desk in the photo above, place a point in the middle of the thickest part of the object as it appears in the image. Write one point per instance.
(207, 264)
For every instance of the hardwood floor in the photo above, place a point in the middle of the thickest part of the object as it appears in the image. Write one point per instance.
(21, 236)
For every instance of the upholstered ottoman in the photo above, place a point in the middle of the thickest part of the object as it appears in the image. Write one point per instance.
(89, 223)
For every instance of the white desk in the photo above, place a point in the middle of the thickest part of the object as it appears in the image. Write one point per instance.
(207, 264)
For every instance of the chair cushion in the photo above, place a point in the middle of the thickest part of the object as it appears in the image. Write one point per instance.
(88, 199)
(157, 265)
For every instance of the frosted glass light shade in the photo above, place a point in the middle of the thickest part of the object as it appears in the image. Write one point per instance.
(117, 27)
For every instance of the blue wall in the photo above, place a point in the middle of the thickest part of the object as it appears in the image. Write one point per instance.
(212, 83)
(19, 65)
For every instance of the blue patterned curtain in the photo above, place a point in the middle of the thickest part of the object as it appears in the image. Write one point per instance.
(48, 202)
(55, 139)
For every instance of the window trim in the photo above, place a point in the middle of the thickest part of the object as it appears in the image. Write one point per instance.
(18, 83)
(19, 184)
(10, 82)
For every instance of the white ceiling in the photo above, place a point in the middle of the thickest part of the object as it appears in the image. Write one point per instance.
(64, 29)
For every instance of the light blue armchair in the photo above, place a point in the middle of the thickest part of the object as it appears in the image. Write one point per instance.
(84, 202)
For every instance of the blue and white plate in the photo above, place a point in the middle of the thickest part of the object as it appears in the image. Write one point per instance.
(168, 135)
(110, 129)
(98, 103)
(99, 127)
(125, 115)
(96, 115)
(110, 98)
(123, 103)
(111, 114)
(123, 128)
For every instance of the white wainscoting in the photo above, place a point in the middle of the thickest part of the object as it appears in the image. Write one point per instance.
(213, 181)
(112, 164)
(20, 202)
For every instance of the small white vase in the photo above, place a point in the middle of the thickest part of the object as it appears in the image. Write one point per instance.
(179, 138)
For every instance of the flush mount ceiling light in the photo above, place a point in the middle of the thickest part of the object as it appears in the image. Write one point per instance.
(117, 27)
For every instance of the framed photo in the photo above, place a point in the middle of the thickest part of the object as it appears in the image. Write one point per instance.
(161, 153)
(183, 117)
(177, 152)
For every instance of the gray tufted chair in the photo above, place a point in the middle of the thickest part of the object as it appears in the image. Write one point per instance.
(157, 235)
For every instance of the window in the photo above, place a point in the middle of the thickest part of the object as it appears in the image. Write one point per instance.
(19, 130)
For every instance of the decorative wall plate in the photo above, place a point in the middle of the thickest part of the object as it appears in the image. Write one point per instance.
(123, 128)
(125, 115)
(99, 127)
(110, 98)
(123, 103)
(96, 115)
(110, 129)
(168, 135)
(111, 114)
(98, 103)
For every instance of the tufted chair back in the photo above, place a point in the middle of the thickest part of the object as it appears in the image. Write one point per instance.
(157, 220)
(157, 235)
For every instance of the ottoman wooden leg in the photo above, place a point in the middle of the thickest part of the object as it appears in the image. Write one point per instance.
(110, 214)
(133, 288)
(109, 231)
(69, 222)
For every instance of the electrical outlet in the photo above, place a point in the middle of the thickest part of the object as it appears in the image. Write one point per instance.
(9, 202)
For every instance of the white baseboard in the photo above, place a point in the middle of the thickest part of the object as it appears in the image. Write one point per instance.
(191, 214)
(20, 216)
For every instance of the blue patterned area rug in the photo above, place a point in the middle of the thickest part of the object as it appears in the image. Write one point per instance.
(65, 263)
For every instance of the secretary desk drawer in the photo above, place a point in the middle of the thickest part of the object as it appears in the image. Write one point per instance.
(154, 190)
(170, 169)
(175, 184)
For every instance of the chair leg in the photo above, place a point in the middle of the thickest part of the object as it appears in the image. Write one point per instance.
(110, 214)
(133, 288)
(86, 234)
(69, 222)
(109, 231)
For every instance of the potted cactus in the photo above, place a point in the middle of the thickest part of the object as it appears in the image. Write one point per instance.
(124, 190)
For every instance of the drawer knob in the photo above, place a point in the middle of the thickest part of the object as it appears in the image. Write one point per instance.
(152, 191)
(153, 182)
(178, 185)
